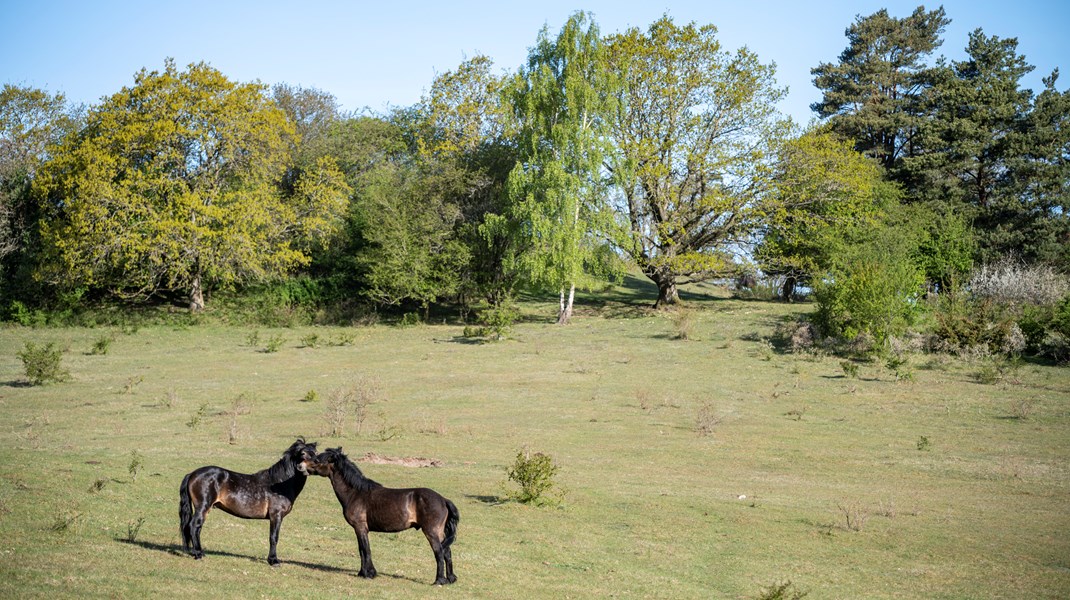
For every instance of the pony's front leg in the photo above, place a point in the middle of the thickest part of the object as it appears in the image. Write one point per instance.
(367, 569)
(273, 538)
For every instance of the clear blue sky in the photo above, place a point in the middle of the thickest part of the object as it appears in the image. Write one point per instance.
(375, 54)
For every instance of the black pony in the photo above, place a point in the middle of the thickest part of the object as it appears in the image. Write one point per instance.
(267, 494)
(368, 506)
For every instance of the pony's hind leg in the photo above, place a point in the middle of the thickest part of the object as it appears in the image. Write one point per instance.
(440, 558)
(447, 555)
(195, 528)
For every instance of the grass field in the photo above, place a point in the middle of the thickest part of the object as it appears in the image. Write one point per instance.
(711, 467)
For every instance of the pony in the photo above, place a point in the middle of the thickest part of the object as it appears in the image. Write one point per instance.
(368, 506)
(267, 494)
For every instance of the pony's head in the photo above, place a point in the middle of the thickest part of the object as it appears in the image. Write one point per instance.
(322, 463)
(299, 452)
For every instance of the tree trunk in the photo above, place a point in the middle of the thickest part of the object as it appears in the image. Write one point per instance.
(196, 295)
(787, 291)
(564, 315)
(667, 295)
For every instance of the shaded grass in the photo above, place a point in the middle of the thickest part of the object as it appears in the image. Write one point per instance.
(653, 508)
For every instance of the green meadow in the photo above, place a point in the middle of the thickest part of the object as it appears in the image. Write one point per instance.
(716, 466)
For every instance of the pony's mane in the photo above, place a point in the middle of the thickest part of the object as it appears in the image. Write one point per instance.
(350, 472)
(286, 468)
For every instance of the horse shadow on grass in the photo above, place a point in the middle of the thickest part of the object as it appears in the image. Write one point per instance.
(177, 550)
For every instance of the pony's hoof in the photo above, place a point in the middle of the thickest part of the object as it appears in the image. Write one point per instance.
(273, 562)
(369, 574)
(452, 578)
(198, 555)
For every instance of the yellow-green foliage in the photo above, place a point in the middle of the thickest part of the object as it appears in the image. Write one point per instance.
(173, 181)
(823, 193)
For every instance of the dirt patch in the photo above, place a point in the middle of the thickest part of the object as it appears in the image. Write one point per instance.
(411, 461)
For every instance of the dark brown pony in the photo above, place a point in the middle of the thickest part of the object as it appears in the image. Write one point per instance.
(368, 506)
(267, 494)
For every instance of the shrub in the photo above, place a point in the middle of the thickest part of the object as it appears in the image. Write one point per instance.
(500, 318)
(351, 400)
(1011, 281)
(534, 473)
(42, 363)
(409, 319)
(782, 591)
(1046, 330)
(137, 463)
(274, 343)
(683, 321)
(872, 290)
(707, 420)
(101, 346)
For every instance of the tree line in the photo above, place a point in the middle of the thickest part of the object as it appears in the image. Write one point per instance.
(654, 148)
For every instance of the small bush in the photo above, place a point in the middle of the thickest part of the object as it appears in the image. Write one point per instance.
(274, 343)
(499, 319)
(683, 321)
(195, 420)
(310, 341)
(101, 346)
(850, 369)
(409, 319)
(310, 396)
(854, 515)
(534, 473)
(782, 591)
(707, 420)
(351, 401)
(42, 363)
(137, 463)
(133, 528)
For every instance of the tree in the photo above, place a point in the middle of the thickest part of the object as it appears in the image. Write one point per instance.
(692, 130)
(461, 135)
(824, 193)
(313, 113)
(172, 186)
(556, 193)
(870, 96)
(411, 252)
(1041, 177)
(973, 137)
(31, 120)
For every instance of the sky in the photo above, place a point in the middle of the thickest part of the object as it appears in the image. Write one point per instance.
(375, 55)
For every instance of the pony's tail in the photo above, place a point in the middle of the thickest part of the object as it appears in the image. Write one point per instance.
(451, 524)
(185, 513)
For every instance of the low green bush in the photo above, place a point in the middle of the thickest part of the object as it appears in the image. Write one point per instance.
(42, 363)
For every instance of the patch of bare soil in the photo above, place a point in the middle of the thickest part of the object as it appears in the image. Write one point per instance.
(411, 461)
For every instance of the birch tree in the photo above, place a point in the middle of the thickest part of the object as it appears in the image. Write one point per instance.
(556, 192)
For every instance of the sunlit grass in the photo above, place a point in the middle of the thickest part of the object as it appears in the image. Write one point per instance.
(660, 499)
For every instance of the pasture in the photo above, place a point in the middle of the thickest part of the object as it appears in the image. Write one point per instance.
(709, 467)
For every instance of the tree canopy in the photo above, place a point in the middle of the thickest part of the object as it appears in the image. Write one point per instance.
(172, 186)
(693, 130)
